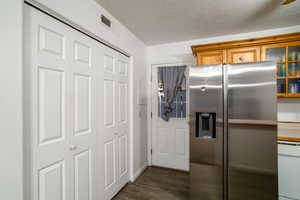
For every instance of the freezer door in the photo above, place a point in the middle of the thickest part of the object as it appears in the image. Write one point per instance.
(252, 131)
(206, 129)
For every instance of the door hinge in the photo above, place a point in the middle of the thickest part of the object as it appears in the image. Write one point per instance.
(151, 115)
(151, 151)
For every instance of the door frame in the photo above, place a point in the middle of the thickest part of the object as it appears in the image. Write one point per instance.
(131, 118)
(150, 92)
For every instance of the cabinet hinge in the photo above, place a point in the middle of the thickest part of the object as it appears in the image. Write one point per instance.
(151, 151)
(151, 115)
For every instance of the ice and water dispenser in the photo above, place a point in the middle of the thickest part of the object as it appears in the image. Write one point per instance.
(205, 125)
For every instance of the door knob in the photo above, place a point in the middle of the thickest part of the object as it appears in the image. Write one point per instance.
(72, 147)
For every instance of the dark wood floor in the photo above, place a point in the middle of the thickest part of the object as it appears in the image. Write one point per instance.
(157, 184)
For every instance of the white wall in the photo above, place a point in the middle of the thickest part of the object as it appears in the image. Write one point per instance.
(86, 14)
(289, 110)
(11, 100)
(181, 52)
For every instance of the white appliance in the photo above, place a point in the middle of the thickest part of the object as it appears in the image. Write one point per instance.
(289, 170)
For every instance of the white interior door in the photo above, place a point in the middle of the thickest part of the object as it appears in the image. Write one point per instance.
(115, 121)
(59, 83)
(170, 140)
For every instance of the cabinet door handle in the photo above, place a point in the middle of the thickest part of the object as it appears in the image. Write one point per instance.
(241, 58)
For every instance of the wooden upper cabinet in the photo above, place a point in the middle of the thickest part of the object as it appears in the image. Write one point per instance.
(240, 51)
(243, 55)
(210, 57)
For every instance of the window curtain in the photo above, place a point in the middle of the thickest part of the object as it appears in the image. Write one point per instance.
(172, 78)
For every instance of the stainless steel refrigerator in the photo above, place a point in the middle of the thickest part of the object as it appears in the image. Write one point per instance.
(233, 127)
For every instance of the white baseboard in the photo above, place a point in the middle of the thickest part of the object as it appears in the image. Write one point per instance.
(139, 172)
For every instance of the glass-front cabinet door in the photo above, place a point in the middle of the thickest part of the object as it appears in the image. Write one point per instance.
(287, 58)
(278, 54)
(294, 70)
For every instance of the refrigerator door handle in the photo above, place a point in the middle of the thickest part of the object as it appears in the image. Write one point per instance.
(203, 88)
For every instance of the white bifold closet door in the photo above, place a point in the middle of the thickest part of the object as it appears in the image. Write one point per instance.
(75, 111)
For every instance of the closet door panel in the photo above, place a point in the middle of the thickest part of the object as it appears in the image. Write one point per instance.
(60, 82)
(82, 66)
(110, 128)
(122, 119)
(110, 153)
(46, 93)
(115, 122)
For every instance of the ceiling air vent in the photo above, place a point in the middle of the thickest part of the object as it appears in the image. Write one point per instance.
(105, 21)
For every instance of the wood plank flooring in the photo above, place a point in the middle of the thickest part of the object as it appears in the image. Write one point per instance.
(157, 184)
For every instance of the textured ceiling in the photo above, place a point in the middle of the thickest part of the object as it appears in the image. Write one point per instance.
(164, 21)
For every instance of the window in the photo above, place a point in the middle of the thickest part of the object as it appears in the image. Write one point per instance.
(179, 103)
